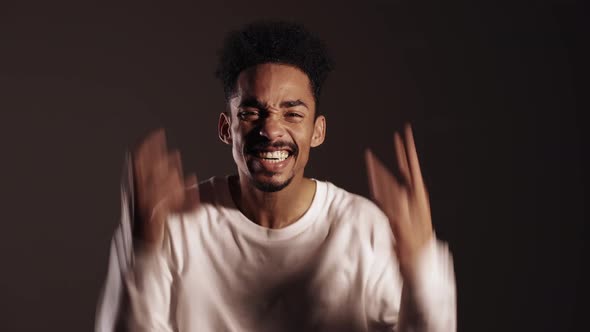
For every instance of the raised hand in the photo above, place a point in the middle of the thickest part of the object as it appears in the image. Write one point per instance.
(160, 187)
(404, 200)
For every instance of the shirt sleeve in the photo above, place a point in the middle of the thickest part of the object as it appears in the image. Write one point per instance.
(149, 283)
(137, 289)
(431, 304)
(112, 303)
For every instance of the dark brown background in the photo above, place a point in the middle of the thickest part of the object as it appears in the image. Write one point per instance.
(490, 89)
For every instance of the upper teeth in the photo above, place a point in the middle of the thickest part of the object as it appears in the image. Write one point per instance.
(281, 155)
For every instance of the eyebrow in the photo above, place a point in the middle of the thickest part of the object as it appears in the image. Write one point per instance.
(253, 102)
(293, 103)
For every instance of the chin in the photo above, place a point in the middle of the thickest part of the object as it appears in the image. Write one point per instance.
(269, 185)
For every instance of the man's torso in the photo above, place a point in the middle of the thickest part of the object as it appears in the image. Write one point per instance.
(231, 274)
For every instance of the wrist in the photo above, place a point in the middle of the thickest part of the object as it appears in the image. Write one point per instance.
(149, 228)
(414, 264)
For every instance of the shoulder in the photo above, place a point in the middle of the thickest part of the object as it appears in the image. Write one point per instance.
(352, 209)
(360, 223)
(345, 202)
(212, 199)
(185, 230)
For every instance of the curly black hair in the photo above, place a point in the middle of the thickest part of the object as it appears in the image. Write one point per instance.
(273, 42)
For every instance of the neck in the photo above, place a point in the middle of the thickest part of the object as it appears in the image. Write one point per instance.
(273, 209)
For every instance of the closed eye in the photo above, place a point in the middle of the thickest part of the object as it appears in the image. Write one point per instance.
(294, 116)
(249, 114)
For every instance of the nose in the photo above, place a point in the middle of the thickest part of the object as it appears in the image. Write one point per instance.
(271, 128)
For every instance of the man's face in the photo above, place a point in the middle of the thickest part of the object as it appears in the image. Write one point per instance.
(272, 125)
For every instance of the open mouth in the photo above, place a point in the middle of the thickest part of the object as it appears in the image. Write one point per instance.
(273, 156)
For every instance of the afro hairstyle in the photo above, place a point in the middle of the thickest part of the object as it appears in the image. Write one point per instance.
(273, 42)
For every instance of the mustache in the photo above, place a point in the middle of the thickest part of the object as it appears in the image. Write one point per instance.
(257, 146)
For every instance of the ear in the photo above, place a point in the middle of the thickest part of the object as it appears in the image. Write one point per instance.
(223, 128)
(319, 131)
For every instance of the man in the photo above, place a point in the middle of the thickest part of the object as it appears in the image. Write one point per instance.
(269, 249)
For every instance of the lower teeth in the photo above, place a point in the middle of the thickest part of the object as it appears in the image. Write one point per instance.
(274, 160)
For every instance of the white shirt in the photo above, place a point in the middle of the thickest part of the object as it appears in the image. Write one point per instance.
(334, 269)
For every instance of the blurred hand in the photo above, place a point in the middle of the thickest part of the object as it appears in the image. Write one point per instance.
(404, 200)
(160, 187)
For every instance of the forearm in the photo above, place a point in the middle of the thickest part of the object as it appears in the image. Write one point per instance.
(149, 283)
(133, 276)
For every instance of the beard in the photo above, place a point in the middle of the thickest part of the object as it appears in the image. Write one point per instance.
(271, 186)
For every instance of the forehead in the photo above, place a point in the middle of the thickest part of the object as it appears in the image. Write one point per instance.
(271, 82)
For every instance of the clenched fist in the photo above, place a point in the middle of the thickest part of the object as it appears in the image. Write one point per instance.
(160, 187)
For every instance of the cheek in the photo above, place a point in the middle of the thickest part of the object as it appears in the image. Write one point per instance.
(237, 146)
(304, 144)
(236, 134)
(239, 134)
